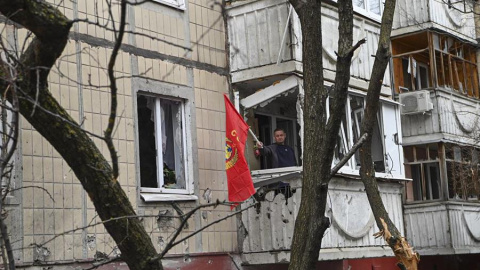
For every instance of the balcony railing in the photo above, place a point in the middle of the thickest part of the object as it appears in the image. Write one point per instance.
(443, 227)
(269, 228)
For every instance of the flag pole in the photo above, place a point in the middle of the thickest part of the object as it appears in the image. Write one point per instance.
(253, 135)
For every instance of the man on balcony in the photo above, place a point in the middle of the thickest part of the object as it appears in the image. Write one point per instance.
(281, 155)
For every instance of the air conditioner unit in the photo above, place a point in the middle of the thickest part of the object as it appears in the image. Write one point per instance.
(415, 102)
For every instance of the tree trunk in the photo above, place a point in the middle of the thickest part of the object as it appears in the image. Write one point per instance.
(320, 132)
(407, 259)
(51, 29)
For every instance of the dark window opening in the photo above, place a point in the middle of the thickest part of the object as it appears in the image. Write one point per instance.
(161, 146)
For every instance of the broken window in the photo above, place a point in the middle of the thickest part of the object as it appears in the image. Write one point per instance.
(356, 113)
(423, 167)
(161, 144)
(279, 105)
(462, 170)
(275, 106)
(341, 146)
(429, 59)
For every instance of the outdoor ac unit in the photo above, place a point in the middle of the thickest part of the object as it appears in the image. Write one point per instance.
(415, 102)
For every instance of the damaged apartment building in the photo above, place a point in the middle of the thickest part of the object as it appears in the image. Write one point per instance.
(267, 77)
(171, 134)
(434, 66)
(427, 156)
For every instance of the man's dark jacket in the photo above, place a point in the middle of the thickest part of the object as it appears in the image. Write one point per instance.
(271, 151)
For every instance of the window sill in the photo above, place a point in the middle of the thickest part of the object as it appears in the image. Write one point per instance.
(162, 197)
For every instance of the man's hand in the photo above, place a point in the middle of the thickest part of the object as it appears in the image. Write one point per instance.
(259, 145)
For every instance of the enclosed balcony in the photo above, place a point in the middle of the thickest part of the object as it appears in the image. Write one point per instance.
(265, 40)
(455, 17)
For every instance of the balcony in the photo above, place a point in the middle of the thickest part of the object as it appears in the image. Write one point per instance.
(265, 41)
(446, 68)
(410, 16)
(268, 230)
(443, 227)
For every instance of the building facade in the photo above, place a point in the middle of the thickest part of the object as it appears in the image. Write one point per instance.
(172, 74)
(177, 60)
(267, 77)
(436, 78)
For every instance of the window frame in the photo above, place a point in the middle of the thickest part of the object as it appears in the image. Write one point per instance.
(178, 4)
(158, 143)
(365, 10)
(187, 95)
(425, 181)
(359, 112)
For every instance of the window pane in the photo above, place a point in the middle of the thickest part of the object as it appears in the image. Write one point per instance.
(408, 153)
(356, 110)
(374, 6)
(340, 147)
(359, 3)
(377, 148)
(172, 144)
(432, 180)
(146, 133)
(421, 152)
(417, 182)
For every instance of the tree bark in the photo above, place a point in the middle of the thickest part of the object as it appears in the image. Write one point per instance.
(51, 120)
(407, 259)
(320, 131)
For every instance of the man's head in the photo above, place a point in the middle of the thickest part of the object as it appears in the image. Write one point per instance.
(279, 136)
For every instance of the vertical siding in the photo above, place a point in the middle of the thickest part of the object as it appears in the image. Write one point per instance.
(362, 62)
(408, 13)
(412, 13)
(459, 22)
(435, 226)
(458, 114)
(425, 123)
(271, 228)
(256, 32)
(427, 226)
(452, 114)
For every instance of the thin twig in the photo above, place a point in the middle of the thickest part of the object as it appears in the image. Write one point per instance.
(113, 89)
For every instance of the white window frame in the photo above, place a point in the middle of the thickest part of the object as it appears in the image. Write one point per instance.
(350, 167)
(365, 10)
(187, 96)
(178, 4)
(159, 143)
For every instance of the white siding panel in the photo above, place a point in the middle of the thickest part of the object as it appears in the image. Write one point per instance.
(432, 225)
(408, 13)
(271, 228)
(413, 13)
(256, 32)
(459, 22)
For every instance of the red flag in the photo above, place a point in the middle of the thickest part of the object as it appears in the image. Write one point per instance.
(240, 185)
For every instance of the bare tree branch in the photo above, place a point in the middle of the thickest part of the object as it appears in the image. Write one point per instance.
(347, 156)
